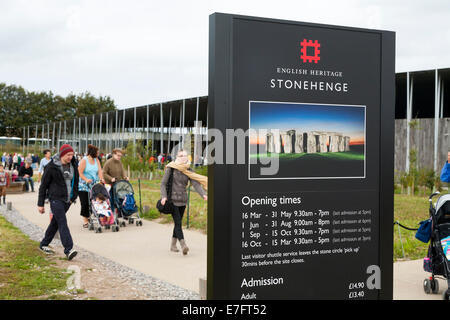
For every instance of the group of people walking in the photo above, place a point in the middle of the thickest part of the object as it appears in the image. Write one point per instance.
(19, 168)
(13, 161)
(64, 179)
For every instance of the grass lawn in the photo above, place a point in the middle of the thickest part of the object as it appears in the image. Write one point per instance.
(25, 273)
(150, 195)
(349, 155)
(408, 210)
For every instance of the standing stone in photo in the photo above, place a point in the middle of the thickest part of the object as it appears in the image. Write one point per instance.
(323, 142)
(270, 146)
(276, 142)
(341, 144)
(311, 143)
(334, 143)
(288, 139)
(346, 143)
(283, 136)
(298, 145)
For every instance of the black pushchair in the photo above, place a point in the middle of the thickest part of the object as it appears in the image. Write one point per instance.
(125, 203)
(439, 265)
(94, 219)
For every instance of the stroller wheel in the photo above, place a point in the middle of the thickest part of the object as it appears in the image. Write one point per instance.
(130, 220)
(446, 295)
(91, 226)
(427, 286)
(140, 223)
(434, 286)
(99, 230)
(123, 224)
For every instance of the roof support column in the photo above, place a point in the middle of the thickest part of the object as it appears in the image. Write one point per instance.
(86, 132)
(134, 134)
(437, 89)
(153, 132)
(409, 103)
(123, 127)
(65, 132)
(53, 137)
(35, 139)
(196, 133)
(42, 134)
(161, 124)
(168, 134)
(147, 127)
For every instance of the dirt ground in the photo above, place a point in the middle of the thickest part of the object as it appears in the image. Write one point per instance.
(96, 282)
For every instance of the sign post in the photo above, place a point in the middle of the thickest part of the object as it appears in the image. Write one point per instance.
(309, 213)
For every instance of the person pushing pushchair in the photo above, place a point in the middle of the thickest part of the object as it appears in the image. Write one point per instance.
(113, 172)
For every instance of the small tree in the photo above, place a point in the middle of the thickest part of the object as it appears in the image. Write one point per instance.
(412, 174)
(422, 180)
(404, 181)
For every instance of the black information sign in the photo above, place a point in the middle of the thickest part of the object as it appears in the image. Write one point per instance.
(308, 214)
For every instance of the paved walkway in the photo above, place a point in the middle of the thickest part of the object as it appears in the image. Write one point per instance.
(408, 282)
(145, 248)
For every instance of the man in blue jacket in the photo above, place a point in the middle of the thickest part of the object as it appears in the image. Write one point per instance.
(60, 181)
(445, 173)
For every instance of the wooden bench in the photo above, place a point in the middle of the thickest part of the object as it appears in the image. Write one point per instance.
(16, 187)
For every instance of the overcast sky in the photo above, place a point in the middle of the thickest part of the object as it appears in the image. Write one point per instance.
(143, 52)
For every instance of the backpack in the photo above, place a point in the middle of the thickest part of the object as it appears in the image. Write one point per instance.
(129, 204)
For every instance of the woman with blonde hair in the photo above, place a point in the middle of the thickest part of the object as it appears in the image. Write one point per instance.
(182, 174)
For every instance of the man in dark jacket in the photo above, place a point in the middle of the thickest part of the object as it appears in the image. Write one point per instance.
(26, 174)
(60, 180)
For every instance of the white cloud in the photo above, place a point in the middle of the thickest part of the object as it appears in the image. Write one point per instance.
(141, 52)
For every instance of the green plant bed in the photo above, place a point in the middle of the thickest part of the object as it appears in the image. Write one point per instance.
(25, 273)
(350, 155)
(150, 192)
(409, 211)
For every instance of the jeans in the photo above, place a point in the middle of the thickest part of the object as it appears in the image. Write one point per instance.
(177, 216)
(28, 182)
(59, 222)
(111, 194)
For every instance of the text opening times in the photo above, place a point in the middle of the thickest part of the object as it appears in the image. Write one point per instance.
(277, 222)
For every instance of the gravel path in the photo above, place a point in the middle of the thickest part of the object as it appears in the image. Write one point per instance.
(152, 288)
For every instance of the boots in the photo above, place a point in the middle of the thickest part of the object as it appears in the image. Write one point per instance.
(184, 247)
(173, 246)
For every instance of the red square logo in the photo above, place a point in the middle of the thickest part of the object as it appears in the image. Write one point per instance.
(315, 45)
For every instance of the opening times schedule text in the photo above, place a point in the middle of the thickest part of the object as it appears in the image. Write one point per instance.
(279, 228)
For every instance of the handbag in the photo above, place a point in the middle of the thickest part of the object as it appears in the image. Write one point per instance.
(168, 207)
(424, 232)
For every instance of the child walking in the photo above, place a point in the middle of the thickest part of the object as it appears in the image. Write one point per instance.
(4, 183)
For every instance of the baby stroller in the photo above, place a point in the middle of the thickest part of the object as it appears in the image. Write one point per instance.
(439, 265)
(94, 219)
(125, 204)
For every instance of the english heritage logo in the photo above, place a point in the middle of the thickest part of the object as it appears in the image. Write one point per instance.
(315, 45)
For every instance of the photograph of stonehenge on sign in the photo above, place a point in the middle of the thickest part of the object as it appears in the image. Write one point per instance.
(311, 141)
